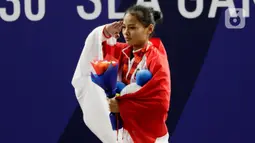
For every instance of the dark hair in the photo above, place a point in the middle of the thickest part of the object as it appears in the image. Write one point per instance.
(146, 15)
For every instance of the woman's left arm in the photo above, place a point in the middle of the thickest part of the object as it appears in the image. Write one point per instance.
(145, 111)
(154, 95)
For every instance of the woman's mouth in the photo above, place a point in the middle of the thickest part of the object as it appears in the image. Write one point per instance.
(127, 39)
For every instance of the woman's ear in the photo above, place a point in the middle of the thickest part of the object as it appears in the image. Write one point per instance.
(150, 29)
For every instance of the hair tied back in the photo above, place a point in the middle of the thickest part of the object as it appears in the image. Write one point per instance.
(158, 16)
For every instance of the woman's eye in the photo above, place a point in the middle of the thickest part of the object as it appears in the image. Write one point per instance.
(132, 27)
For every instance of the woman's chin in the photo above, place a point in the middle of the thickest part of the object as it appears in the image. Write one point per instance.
(128, 42)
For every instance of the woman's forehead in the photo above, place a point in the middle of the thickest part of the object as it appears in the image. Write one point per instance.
(130, 19)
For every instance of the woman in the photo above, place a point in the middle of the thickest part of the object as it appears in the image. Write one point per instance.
(144, 112)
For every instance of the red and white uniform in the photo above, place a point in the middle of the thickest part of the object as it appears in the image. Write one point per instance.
(144, 112)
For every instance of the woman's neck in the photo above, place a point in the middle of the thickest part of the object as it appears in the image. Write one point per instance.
(137, 47)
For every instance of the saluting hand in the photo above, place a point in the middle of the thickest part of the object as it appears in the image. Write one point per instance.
(113, 29)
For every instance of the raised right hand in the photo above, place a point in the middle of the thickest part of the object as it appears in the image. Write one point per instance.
(113, 29)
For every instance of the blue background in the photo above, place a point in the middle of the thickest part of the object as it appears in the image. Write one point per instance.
(212, 73)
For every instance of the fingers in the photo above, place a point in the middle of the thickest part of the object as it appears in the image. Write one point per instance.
(114, 28)
(113, 105)
(118, 24)
(118, 28)
(114, 23)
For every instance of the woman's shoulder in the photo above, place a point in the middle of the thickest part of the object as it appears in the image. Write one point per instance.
(156, 49)
(156, 54)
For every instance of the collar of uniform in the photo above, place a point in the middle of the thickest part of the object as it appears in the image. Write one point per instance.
(126, 51)
(141, 51)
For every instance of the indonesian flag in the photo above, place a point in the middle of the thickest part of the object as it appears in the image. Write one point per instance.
(144, 112)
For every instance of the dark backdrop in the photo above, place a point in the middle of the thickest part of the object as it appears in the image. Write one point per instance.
(212, 73)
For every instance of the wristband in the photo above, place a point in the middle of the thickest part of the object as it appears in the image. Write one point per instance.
(104, 30)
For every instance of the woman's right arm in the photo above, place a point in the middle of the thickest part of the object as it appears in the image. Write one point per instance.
(111, 33)
(91, 97)
(97, 45)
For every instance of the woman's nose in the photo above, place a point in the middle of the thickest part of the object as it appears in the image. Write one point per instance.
(125, 32)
